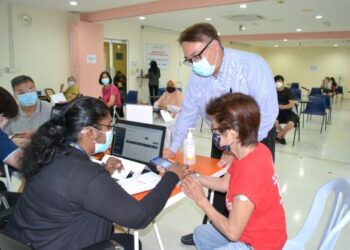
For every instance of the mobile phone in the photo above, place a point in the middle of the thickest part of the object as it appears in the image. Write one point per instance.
(159, 161)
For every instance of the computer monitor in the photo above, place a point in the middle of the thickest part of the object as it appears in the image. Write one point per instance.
(137, 141)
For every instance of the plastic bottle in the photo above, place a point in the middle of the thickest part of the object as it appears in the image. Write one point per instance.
(189, 148)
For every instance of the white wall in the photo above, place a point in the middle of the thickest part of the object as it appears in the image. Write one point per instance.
(41, 51)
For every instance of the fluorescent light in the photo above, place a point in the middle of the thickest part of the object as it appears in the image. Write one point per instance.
(299, 30)
(73, 3)
(142, 17)
(285, 40)
(208, 19)
(276, 45)
(335, 45)
(318, 17)
(243, 6)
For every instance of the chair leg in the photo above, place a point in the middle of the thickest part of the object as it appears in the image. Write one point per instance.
(303, 120)
(201, 125)
(295, 132)
(298, 131)
(325, 123)
(322, 124)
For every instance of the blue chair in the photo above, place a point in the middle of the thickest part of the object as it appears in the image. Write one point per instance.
(296, 93)
(131, 97)
(315, 91)
(339, 91)
(160, 91)
(339, 216)
(316, 106)
(294, 85)
(327, 100)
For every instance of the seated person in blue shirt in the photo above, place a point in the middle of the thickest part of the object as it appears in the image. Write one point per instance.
(9, 152)
(32, 111)
(71, 202)
(286, 102)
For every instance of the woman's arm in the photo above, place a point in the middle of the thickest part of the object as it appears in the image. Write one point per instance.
(215, 183)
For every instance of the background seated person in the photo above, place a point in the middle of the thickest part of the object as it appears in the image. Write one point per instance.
(120, 81)
(286, 102)
(32, 111)
(71, 202)
(256, 216)
(72, 91)
(171, 99)
(326, 86)
(110, 93)
(334, 85)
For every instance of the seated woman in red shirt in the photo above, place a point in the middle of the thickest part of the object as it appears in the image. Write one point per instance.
(110, 93)
(256, 216)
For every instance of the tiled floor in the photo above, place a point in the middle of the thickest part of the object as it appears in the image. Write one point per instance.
(302, 169)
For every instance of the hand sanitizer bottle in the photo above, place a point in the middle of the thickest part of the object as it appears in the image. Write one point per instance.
(189, 149)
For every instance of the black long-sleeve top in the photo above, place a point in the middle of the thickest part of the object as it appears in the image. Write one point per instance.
(72, 202)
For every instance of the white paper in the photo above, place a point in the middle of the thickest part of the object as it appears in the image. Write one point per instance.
(58, 98)
(140, 184)
(166, 116)
(91, 59)
(139, 113)
(129, 166)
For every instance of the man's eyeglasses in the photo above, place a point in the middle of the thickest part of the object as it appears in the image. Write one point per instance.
(215, 130)
(197, 57)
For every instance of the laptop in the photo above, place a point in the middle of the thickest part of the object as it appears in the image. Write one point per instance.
(136, 144)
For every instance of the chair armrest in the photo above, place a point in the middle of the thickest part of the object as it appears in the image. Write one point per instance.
(105, 245)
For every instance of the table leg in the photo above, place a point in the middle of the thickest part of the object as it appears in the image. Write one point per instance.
(136, 240)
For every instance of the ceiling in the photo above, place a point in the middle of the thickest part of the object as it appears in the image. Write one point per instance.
(274, 19)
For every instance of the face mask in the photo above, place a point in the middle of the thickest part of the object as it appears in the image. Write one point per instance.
(203, 68)
(102, 147)
(105, 81)
(217, 139)
(71, 83)
(28, 99)
(170, 89)
(279, 85)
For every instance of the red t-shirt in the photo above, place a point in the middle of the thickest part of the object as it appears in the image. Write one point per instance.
(255, 177)
(109, 91)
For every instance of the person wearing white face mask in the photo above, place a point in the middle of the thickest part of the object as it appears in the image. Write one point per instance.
(286, 102)
(71, 202)
(32, 111)
(72, 91)
(110, 93)
(217, 71)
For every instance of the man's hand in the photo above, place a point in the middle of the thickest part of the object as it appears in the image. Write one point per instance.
(168, 154)
(226, 159)
(113, 164)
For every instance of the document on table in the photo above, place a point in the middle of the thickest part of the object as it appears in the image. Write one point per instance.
(58, 98)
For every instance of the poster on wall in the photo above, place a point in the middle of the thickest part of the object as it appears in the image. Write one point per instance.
(158, 53)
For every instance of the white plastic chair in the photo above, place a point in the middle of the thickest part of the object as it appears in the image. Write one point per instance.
(339, 216)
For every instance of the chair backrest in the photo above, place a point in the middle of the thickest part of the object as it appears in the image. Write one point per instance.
(7, 243)
(296, 93)
(327, 100)
(294, 85)
(317, 106)
(131, 97)
(315, 91)
(339, 216)
(339, 90)
(49, 91)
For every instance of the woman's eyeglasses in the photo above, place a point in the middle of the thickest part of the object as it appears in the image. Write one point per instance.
(197, 57)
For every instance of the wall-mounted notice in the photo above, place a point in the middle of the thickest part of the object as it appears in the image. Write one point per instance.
(313, 67)
(91, 58)
(158, 53)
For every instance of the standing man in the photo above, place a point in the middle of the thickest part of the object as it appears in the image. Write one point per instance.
(32, 111)
(217, 71)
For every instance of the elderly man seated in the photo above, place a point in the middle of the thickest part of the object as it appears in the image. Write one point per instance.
(171, 99)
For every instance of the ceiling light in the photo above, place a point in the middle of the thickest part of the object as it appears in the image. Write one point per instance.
(241, 28)
(243, 6)
(335, 45)
(285, 40)
(142, 17)
(318, 17)
(208, 19)
(219, 34)
(299, 30)
(73, 3)
(276, 45)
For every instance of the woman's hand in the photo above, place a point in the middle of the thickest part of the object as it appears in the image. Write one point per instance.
(113, 164)
(180, 170)
(226, 159)
(193, 188)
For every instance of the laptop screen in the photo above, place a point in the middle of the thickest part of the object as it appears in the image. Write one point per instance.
(136, 141)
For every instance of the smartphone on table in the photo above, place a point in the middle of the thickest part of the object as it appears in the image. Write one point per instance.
(159, 161)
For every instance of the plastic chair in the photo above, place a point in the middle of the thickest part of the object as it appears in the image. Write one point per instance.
(339, 91)
(315, 91)
(339, 216)
(294, 85)
(316, 106)
(48, 92)
(327, 100)
(296, 93)
(131, 97)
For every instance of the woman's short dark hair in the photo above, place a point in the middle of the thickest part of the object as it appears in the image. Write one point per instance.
(108, 75)
(8, 105)
(20, 79)
(198, 32)
(239, 112)
(279, 78)
(53, 137)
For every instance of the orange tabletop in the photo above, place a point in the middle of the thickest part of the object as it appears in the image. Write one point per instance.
(204, 166)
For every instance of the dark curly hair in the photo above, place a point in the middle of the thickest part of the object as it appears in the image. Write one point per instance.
(8, 105)
(53, 137)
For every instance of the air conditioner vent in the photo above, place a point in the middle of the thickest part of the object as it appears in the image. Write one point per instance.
(245, 18)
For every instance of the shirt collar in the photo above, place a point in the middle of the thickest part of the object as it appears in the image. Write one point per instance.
(36, 111)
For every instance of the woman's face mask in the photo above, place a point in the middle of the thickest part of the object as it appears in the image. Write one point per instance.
(71, 83)
(28, 99)
(105, 81)
(217, 141)
(170, 89)
(102, 147)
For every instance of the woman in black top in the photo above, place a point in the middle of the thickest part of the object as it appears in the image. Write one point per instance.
(69, 201)
(153, 76)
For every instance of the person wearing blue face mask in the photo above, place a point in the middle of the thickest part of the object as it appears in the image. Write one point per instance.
(71, 202)
(217, 71)
(32, 111)
(110, 92)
